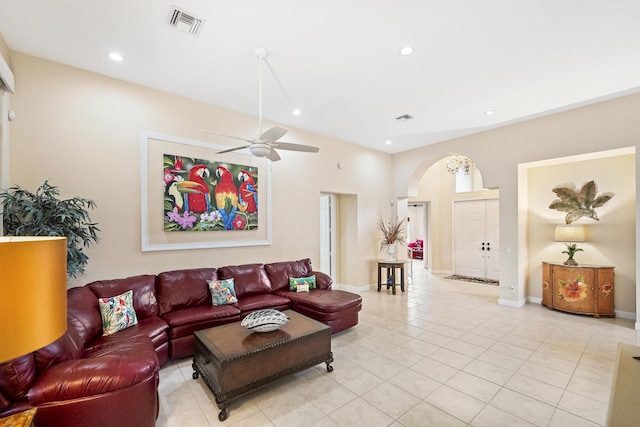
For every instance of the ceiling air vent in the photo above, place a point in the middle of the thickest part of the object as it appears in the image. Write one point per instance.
(183, 21)
(404, 118)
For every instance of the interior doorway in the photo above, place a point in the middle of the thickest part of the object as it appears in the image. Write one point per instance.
(328, 231)
(418, 228)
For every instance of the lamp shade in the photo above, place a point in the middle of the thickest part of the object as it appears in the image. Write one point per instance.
(569, 233)
(33, 293)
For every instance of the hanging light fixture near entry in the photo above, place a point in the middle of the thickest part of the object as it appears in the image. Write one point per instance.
(457, 163)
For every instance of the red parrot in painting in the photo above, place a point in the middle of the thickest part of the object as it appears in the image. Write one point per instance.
(248, 192)
(198, 201)
(225, 190)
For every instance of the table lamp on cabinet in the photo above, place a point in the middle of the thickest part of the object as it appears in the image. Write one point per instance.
(570, 234)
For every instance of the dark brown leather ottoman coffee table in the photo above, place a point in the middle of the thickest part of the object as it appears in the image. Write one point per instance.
(234, 361)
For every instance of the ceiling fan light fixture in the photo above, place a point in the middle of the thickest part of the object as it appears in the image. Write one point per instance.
(260, 149)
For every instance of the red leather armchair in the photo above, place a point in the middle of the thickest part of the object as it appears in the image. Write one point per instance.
(416, 249)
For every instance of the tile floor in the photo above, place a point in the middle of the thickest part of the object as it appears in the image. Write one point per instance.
(443, 353)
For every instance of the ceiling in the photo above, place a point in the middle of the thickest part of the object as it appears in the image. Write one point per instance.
(339, 63)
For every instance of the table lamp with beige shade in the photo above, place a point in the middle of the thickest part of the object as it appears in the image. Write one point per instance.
(570, 234)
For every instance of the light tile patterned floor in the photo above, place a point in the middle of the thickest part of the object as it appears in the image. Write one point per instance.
(444, 353)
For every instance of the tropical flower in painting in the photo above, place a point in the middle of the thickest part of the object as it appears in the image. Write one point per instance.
(186, 220)
(173, 215)
(573, 291)
(168, 177)
(239, 223)
(607, 288)
(208, 217)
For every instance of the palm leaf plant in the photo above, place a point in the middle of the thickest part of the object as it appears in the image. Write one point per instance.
(578, 204)
(43, 214)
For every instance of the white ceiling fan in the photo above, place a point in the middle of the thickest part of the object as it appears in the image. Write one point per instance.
(265, 143)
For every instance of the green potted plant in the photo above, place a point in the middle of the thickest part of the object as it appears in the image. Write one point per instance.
(571, 251)
(43, 214)
(392, 234)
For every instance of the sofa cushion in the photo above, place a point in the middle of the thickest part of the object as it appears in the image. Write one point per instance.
(326, 301)
(144, 292)
(117, 313)
(280, 272)
(259, 302)
(17, 376)
(82, 378)
(139, 346)
(180, 289)
(68, 347)
(83, 313)
(323, 280)
(152, 331)
(183, 321)
(248, 279)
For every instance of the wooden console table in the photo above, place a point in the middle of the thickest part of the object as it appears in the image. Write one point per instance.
(390, 280)
(581, 289)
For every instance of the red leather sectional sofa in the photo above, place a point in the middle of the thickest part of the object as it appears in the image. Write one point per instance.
(85, 378)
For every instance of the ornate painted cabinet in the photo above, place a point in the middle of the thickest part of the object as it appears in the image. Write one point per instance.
(583, 289)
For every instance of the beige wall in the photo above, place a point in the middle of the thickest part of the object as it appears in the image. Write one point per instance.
(610, 241)
(82, 131)
(498, 153)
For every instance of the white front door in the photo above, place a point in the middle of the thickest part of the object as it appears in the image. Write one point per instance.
(477, 239)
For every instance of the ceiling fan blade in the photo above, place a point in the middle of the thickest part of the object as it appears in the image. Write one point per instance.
(226, 136)
(273, 155)
(295, 147)
(228, 150)
(272, 134)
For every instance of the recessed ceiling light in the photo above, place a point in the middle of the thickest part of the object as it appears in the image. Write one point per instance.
(296, 112)
(116, 56)
(407, 50)
(489, 112)
(388, 142)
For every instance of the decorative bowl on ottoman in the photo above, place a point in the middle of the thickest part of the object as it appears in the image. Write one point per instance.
(264, 320)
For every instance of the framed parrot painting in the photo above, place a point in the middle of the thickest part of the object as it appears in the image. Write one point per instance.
(204, 195)
(194, 197)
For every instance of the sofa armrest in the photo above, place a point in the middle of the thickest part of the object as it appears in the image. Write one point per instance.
(323, 281)
(88, 377)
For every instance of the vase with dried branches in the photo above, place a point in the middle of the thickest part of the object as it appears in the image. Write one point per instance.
(392, 233)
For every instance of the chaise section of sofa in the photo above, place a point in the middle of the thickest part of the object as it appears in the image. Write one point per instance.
(336, 308)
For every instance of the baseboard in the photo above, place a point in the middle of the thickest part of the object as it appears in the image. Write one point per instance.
(511, 303)
(352, 288)
(619, 313)
(626, 315)
(442, 272)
